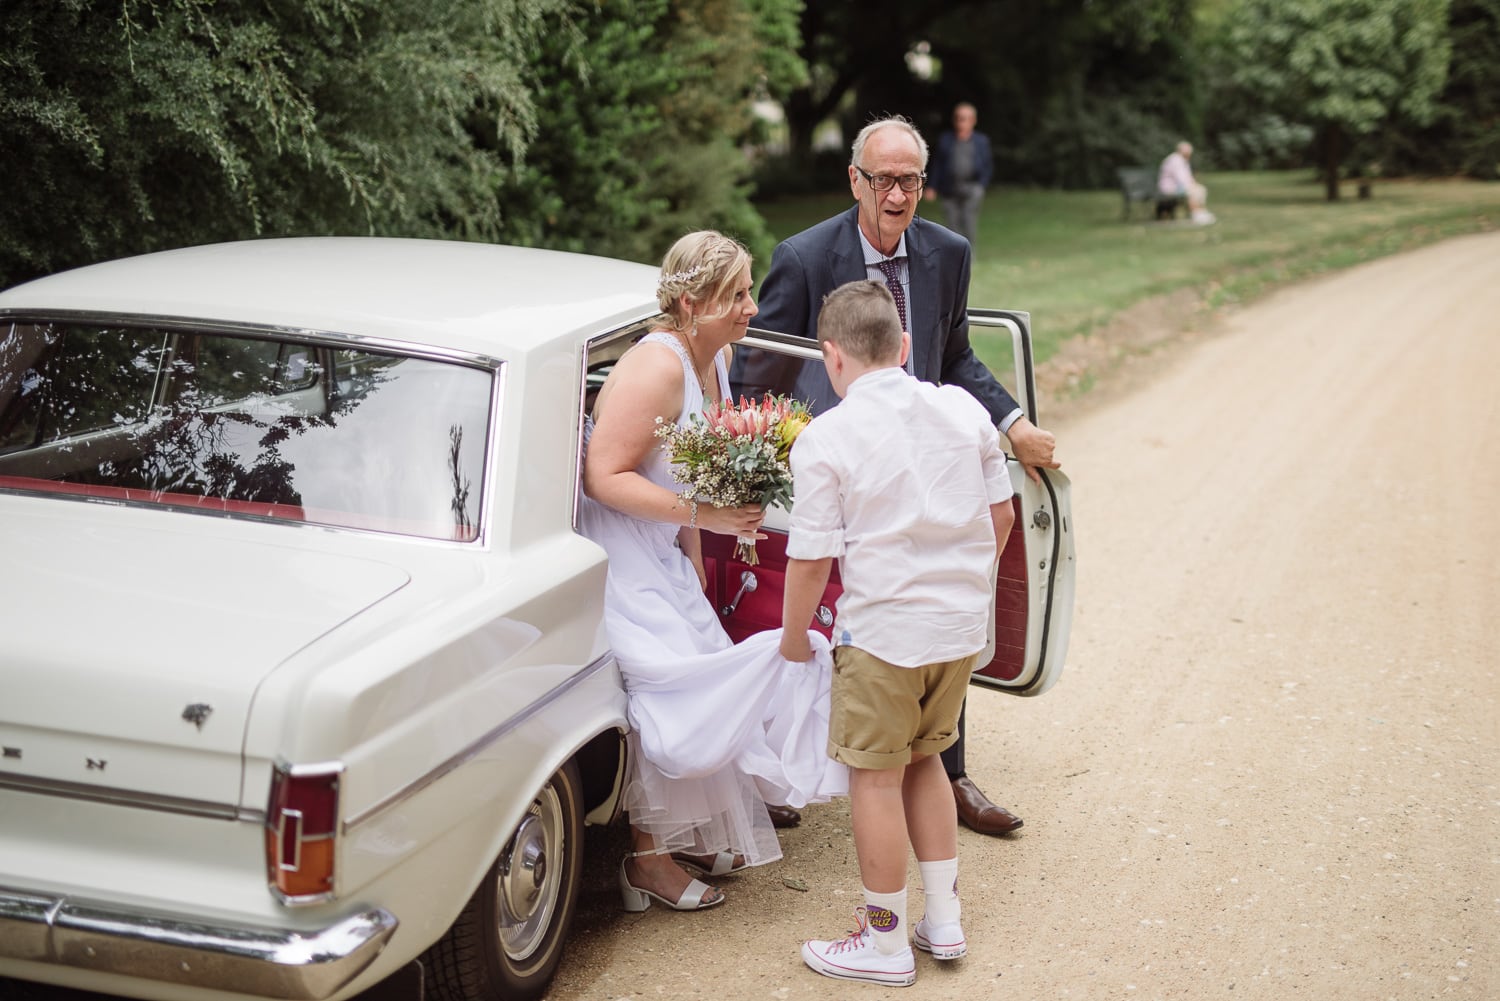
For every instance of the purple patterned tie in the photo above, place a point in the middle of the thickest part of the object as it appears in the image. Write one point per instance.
(891, 268)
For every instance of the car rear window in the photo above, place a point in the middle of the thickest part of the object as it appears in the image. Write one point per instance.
(219, 423)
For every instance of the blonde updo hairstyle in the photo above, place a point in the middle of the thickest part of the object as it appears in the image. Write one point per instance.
(705, 265)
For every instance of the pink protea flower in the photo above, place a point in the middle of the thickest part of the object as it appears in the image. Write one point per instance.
(730, 455)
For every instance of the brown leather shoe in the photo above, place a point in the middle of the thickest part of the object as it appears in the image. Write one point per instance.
(978, 813)
(783, 816)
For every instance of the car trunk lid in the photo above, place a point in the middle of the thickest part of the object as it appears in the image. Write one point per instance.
(134, 645)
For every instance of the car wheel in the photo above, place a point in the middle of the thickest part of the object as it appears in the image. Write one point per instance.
(508, 940)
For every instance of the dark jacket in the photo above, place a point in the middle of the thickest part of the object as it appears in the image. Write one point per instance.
(808, 266)
(939, 176)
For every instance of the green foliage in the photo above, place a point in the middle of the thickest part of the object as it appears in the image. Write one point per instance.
(1082, 89)
(1343, 66)
(778, 31)
(1464, 136)
(157, 123)
(1066, 91)
(638, 138)
(1471, 102)
(1263, 142)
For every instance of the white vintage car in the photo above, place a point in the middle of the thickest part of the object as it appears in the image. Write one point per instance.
(303, 684)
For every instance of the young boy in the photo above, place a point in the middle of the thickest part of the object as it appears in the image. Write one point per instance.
(905, 483)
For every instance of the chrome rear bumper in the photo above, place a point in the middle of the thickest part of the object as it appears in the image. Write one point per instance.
(299, 965)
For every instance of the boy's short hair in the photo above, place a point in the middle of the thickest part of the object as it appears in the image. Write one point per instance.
(861, 318)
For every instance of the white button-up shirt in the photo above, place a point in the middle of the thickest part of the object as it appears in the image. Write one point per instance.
(897, 482)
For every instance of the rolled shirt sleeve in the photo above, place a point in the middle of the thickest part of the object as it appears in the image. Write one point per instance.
(996, 474)
(816, 527)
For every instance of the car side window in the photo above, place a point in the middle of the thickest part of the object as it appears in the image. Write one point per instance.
(299, 431)
(48, 394)
(780, 365)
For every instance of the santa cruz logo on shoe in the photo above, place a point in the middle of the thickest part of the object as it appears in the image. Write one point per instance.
(881, 918)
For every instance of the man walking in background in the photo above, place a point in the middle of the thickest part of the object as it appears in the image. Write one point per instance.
(961, 170)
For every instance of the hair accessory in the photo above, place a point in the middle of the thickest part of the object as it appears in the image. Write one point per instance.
(679, 277)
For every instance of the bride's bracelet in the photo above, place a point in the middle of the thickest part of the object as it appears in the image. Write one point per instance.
(693, 517)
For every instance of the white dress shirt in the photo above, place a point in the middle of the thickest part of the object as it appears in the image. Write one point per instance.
(897, 482)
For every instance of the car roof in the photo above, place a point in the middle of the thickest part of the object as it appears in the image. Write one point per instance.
(471, 297)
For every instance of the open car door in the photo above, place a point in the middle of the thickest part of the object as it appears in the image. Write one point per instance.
(1034, 586)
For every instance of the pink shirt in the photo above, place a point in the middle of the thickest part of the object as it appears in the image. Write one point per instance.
(1176, 176)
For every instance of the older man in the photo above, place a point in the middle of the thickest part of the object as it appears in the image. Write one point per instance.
(927, 269)
(1176, 180)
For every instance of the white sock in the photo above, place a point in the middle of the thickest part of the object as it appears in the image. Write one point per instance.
(886, 913)
(940, 885)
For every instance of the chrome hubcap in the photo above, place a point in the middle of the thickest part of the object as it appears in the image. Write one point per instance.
(530, 879)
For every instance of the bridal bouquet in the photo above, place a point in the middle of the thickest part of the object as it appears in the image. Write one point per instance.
(733, 455)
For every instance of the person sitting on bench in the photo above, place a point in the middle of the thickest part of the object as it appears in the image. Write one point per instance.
(1176, 181)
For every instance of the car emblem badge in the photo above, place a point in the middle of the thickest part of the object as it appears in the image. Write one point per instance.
(198, 713)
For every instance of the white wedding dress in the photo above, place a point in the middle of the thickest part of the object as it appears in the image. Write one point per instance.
(719, 729)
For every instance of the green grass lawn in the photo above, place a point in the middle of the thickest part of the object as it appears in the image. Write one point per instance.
(1069, 259)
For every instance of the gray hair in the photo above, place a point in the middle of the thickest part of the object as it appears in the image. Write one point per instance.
(861, 318)
(857, 151)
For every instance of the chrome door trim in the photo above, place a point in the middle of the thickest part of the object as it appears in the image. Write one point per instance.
(205, 809)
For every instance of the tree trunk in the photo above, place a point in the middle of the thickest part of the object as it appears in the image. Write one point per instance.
(1333, 155)
(801, 120)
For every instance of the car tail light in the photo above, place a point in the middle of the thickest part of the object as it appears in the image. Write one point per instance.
(301, 829)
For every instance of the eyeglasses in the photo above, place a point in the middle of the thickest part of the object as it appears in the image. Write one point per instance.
(885, 182)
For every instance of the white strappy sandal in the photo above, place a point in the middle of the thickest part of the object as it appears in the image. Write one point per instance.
(636, 899)
(723, 864)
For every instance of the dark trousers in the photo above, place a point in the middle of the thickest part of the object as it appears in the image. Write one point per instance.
(961, 210)
(953, 757)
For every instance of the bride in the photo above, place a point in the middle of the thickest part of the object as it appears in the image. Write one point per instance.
(718, 729)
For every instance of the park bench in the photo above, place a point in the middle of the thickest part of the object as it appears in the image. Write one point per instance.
(1138, 184)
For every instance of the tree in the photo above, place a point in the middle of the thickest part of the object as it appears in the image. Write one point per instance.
(1068, 90)
(1345, 67)
(845, 44)
(639, 136)
(1073, 91)
(1464, 137)
(146, 124)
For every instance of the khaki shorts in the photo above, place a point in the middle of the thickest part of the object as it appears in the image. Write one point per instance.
(883, 714)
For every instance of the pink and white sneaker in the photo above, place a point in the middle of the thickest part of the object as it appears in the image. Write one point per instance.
(856, 957)
(943, 941)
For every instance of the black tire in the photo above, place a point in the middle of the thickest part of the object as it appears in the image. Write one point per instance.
(508, 941)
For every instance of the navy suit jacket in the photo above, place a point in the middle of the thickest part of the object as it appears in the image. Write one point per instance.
(808, 266)
(941, 177)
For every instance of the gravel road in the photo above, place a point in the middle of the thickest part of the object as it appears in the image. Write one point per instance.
(1272, 766)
